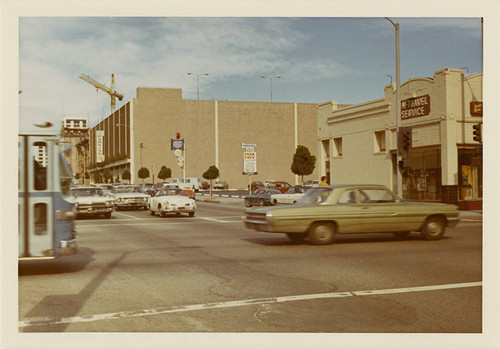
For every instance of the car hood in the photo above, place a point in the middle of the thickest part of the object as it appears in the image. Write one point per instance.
(129, 195)
(88, 199)
(175, 199)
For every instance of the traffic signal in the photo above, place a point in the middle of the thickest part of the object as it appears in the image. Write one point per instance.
(178, 135)
(477, 132)
(404, 138)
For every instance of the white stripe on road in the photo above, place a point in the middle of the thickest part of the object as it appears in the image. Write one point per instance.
(241, 303)
(213, 219)
(127, 215)
(200, 220)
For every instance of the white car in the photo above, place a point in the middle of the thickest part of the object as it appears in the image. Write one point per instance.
(91, 201)
(129, 196)
(171, 200)
(290, 197)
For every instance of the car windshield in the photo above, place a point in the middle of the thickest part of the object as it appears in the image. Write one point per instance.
(315, 196)
(171, 192)
(126, 189)
(88, 192)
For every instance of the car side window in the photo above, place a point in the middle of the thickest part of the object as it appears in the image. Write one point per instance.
(376, 196)
(348, 197)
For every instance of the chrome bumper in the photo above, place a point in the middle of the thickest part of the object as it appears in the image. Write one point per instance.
(68, 247)
(452, 221)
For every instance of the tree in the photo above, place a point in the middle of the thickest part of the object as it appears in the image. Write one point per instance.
(211, 174)
(303, 163)
(97, 178)
(164, 173)
(108, 177)
(126, 175)
(143, 173)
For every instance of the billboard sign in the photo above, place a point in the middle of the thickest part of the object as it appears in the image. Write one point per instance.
(250, 163)
(100, 146)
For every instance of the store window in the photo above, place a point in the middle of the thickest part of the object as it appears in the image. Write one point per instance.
(470, 164)
(422, 177)
(338, 146)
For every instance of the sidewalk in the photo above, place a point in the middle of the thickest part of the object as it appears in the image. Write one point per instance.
(229, 199)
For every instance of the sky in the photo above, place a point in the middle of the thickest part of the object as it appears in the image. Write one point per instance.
(346, 59)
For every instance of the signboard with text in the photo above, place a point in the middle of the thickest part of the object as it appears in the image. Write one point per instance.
(176, 144)
(415, 107)
(99, 146)
(250, 163)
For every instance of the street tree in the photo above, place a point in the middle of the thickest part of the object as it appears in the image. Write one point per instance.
(126, 175)
(165, 173)
(211, 174)
(97, 178)
(143, 173)
(303, 163)
(108, 177)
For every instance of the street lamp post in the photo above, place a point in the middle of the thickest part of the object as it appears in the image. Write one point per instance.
(398, 110)
(198, 80)
(271, 80)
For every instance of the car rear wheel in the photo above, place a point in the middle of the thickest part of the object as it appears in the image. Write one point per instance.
(248, 203)
(322, 233)
(275, 202)
(296, 236)
(191, 214)
(433, 228)
(152, 212)
(107, 215)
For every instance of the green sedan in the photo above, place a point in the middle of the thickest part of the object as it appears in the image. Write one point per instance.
(349, 209)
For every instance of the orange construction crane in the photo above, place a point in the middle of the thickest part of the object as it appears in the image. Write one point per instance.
(111, 91)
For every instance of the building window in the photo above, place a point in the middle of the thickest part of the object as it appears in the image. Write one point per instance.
(379, 142)
(338, 146)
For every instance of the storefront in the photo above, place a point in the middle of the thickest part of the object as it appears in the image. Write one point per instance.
(443, 163)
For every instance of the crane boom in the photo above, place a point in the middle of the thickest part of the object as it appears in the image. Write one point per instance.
(111, 91)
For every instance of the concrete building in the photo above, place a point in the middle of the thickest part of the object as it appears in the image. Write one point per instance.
(75, 133)
(139, 135)
(358, 143)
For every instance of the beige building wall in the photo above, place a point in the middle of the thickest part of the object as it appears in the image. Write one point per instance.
(213, 132)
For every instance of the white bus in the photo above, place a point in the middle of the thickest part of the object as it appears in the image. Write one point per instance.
(46, 218)
(194, 183)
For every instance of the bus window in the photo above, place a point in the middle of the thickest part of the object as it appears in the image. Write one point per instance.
(41, 219)
(40, 165)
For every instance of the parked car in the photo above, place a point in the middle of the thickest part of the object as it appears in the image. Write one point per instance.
(256, 185)
(279, 185)
(220, 185)
(91, 201)
(261, 198)
(194, 183)
(205, 185)
(171, 200)
(312, 183)
(145, 187)
(106, 188)
(129, 196)
(290, 197)
(324, 212)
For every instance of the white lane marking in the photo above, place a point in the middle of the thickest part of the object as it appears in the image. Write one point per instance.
(184, 222)
(127, 215)
(212, 219)
(240, 303)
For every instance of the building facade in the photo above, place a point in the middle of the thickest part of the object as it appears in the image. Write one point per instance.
(358, 143)
(75, 133)
(139, 135)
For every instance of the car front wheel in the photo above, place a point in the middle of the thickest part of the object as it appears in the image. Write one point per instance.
(322, 233)
(248, 203)
(433, 228)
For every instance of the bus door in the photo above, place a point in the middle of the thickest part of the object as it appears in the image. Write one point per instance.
(36, 199)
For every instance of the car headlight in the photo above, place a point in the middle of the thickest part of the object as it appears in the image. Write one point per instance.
(269, 214)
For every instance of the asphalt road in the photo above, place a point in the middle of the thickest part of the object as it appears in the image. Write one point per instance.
(209, 274)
